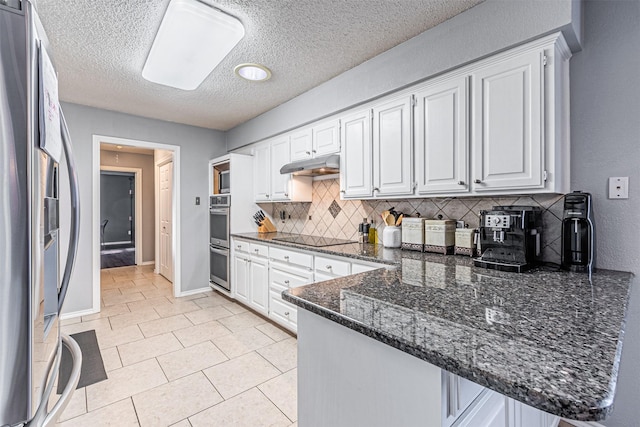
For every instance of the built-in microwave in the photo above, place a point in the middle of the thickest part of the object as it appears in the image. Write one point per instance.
(224, 182)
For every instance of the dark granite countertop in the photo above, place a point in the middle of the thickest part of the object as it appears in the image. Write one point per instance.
(547, 338)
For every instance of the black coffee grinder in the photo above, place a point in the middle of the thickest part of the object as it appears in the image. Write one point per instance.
(578, 233)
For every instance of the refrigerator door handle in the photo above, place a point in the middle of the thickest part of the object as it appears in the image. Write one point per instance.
(42, 418)
(74, 231)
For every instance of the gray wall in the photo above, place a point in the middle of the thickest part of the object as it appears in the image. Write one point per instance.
(482, 30)
(197, 146)
(605, 138)
(605, 117)
(144, 162)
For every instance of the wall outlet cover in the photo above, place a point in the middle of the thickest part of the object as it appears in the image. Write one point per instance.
(619, 187)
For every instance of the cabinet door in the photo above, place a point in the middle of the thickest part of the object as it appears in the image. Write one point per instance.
(442, 137)
(507, 124)
(356, 155)
(326, 138)
(241, 278)
(521, 415)
(280, 156)
(301, 145)
(392, 148)
(261, 173)
(490, 411)
(259, 296)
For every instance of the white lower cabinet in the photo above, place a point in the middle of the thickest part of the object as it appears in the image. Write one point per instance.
(282, 276)
(250, 275)
(241, 276)
(259, 295)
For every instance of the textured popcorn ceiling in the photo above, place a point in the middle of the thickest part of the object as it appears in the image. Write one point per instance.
(100, 47)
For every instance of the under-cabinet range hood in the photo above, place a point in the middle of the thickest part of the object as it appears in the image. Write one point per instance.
(325, 165)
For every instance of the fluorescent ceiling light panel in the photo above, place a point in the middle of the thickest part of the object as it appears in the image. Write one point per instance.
(192, 40)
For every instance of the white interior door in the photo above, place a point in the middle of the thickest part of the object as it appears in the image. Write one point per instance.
(166, 220)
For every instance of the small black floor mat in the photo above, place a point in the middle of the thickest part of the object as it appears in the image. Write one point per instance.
(92, 370)
(111, 258)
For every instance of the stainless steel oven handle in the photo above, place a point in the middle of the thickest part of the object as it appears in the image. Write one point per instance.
(219, 251)
(74, 232)
(219, 210)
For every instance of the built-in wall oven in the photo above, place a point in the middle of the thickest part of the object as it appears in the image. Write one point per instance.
(219, 241)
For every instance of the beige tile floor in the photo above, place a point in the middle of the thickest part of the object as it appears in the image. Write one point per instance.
(201, 360)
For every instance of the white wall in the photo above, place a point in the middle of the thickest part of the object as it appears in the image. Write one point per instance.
(197, 146)
(605, 141)
(489, 27)
(605, 117)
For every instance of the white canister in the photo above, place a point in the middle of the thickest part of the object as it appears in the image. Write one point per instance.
(392, 236)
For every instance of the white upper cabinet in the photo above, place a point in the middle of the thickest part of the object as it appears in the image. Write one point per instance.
(262, 173)
(318, 140)
(508, 124)
(441, 141)
(393, 148)
(280, 156)
(269, 185)
(301, 145)
(326, 138)
(356, 155)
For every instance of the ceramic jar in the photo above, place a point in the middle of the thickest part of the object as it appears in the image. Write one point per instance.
(392, 236)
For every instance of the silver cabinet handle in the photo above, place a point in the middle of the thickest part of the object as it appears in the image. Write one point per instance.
(286, 282)
(460, 182)
(286, 194)
(342, 191)
(477, 181)
(313, 151)
(286, 313)
(308, 152)
(376, 189)
(256, 250)
(286, 257)
(248, 261)
(239, 247)
(328, 267)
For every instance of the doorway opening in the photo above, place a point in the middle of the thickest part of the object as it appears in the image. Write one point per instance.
(118, 167)
(118, 219)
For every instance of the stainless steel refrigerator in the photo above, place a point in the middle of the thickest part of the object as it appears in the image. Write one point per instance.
(34, 143)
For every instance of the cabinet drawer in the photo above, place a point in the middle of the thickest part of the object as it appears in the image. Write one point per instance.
(241, 246)
(259, 250)
(282, 309)
(291, 257)
(333, 266)
(290, 278)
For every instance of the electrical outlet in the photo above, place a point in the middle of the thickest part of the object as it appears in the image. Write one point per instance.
(197, 201)
(619, 187)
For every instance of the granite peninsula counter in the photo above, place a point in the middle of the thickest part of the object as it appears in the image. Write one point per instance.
(546, 338)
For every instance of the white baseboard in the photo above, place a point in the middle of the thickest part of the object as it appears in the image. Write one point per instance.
(584, 423)
(194, 291)
(75, 314)
(148, 263)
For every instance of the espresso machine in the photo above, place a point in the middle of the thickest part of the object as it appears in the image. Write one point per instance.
(578, 233)
(510, 238)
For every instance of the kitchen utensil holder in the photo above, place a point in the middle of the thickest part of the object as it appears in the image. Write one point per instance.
(266, 226)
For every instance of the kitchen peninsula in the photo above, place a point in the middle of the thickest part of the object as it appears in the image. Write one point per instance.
(380, 344)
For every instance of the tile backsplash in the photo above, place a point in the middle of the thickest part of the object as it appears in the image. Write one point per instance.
(328, 216)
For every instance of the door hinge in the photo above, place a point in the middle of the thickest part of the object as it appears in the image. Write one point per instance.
(130, 218)
(130, 192)
(544, 60)
(544, 175)
(413, 101)
(129, 232)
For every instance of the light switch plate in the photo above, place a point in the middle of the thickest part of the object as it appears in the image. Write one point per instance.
(619, 187)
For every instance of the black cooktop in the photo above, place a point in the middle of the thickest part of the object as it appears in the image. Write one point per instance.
(315, 241)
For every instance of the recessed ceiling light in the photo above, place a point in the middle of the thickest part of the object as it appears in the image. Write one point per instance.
(192, 40)
(253, 72)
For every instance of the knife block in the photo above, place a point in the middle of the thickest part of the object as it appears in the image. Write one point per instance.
(266, 226)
